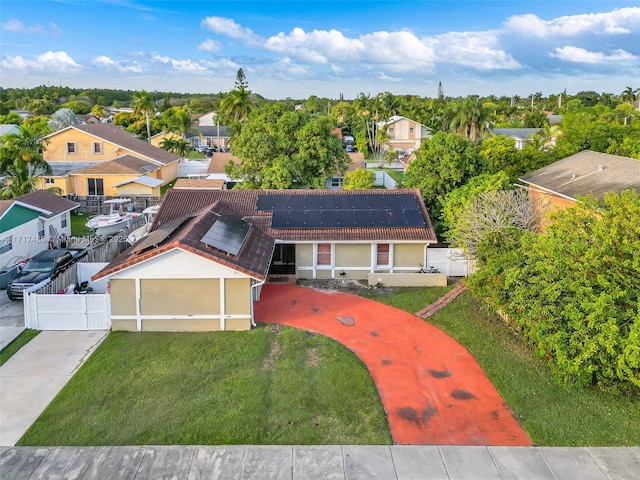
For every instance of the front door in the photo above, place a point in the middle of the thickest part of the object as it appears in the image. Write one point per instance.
(284, 260)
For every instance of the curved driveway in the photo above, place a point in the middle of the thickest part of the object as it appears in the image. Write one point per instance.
(431, 387)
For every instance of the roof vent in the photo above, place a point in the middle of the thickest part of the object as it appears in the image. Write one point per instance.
(573, 176)
(600, 168)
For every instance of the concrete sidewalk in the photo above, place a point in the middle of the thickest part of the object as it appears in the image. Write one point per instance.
(348, 462)
(35, 375)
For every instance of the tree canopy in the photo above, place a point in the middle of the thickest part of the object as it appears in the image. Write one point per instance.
(285, 149)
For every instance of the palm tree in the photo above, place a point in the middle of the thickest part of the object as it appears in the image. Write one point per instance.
(469, 117)
(143, 103)
(237, 104)
(179, 122)
(22, 162)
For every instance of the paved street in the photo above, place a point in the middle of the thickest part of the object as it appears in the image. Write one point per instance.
(348, 462)
(11, 319)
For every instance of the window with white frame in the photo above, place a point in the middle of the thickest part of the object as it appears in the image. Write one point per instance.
(6, 244)
(72, 148)
(63, 221)
(336, 182)
(41, 229)
(411, 130)
(382, 254)
(97, 148)
(323, 256)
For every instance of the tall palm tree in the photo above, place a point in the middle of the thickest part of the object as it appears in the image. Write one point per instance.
(237, 104)
(469, 117)
(143, 103)
(22, 162)
(179, 122)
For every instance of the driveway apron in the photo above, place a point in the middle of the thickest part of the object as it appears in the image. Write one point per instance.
(432, 389)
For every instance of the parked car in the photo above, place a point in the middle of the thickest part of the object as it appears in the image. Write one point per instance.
(200, 148)
(47, 264)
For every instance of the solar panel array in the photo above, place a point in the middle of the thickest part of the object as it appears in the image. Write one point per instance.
(227, 234)
(388, 210)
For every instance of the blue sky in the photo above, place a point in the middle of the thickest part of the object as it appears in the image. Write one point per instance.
(301, 48)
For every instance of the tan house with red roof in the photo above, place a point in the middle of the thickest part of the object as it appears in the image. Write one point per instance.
(97, 159)
(209, 251)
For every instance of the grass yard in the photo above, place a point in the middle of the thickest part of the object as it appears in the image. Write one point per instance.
(393, 173)
(551, 414)
(271, 385)
(17, 343)
(78, 227)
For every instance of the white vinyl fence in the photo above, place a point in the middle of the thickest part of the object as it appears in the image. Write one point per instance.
(450, 261)
(383, 179)
(69, 311)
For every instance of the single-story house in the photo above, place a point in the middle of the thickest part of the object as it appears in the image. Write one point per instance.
(585, 173)
(521, 135)
(209, 135)
(209, 251)
(27, 222)
(9, 129)
(219, 160)
(199, 184)
(81, 147)
(157, 139)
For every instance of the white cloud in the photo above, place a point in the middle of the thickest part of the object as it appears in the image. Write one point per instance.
(477, 50)
(616, 22)
(228, 27)
(187, 66)
(209, 45)
(48, 61)
(580, 55)
(122, 67)
(18, 26)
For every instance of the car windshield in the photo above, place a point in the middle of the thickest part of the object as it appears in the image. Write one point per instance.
(39, 266)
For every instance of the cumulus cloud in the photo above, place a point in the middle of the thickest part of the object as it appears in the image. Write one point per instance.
(580, 55)
(229, 28)
(122, 67)
(616, 22)
(187, 66)
(476, 50)
(209, 45)
(48, 61)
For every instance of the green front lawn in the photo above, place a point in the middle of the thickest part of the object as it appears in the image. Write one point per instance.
(550, 413)
(270, 385)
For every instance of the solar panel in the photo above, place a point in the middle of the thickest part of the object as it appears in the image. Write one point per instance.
(227, 234)
(322, 210)
(161, 233)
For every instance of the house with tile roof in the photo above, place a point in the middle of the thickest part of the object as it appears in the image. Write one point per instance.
(585, 173)
(92, 159)
(209, 251)
(27, 222)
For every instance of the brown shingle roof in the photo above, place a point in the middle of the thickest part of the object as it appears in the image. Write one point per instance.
(198, 184)
(180, 202)
(357, 161)
(47, 201)
(119, 136)
(124, 165)
(219, 160)
(587, 173)
(253, 259)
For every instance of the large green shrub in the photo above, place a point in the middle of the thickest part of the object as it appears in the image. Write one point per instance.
(574, 291)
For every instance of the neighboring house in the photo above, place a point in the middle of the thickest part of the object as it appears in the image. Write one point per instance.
(520, 135)
(89, 118)
(582, 174)
(8, 129)
(157, 139)
(78, 154)
(199, 184)
(216, 167)
(357, 162)
(405, 134)
(209, 251)
(27, 222)
(212, 135)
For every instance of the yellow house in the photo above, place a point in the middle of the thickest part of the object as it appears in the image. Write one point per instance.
(95, 159)
(157, 139)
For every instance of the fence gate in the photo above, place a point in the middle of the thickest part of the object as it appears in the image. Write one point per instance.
(451, 261)
(67, 312)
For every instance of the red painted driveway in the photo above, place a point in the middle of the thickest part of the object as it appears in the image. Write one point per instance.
(432, 389)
